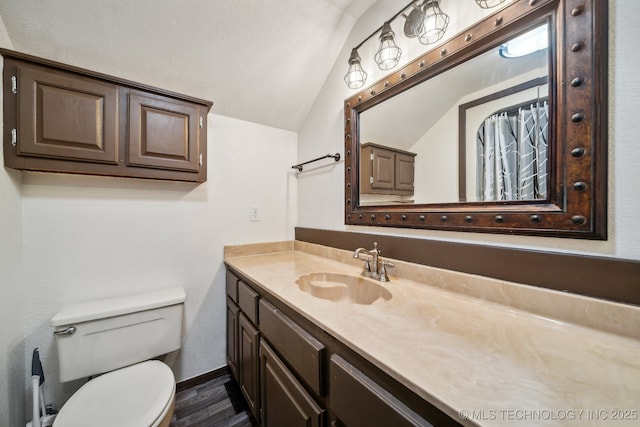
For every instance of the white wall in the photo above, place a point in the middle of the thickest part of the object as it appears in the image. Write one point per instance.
(86, 237)
(12, 349)
(435, 180)
(323, 130)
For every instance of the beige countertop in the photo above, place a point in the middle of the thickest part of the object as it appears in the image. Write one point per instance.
(485, 351)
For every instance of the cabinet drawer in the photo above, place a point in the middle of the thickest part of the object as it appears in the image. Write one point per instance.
(358, 401)
(232, 286)
(303, 352)
(248, 301)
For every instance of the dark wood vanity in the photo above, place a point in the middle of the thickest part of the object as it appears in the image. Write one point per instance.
(293, 373)
(59, 118)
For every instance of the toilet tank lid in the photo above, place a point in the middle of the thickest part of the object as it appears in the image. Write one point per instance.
(116, 306)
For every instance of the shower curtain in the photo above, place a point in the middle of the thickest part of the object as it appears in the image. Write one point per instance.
(512, 155)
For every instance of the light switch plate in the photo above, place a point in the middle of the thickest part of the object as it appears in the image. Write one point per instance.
(255, 213)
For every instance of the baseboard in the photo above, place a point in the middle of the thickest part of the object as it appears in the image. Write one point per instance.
(202, 378)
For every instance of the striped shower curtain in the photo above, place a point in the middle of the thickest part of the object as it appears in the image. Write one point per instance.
(512, 155)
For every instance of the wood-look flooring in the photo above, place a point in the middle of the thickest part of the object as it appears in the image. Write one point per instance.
(215, 403)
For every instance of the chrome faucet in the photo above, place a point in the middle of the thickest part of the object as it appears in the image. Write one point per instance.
(378, 270)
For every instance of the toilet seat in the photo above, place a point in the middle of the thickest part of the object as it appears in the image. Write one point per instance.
(139, 395)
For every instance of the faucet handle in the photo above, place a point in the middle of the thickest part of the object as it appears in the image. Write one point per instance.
(366, 271)
(383, 270)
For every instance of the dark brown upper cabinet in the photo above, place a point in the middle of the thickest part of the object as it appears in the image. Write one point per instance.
(385, 170)
(59, 118)
(419, 107)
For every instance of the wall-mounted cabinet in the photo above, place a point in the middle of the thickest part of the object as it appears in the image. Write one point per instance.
(386, 170)
(59, 118)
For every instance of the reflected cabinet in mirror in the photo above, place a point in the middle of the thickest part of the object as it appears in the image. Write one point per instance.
(471, 136)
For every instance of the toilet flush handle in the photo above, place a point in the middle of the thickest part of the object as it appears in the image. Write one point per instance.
(66, 331)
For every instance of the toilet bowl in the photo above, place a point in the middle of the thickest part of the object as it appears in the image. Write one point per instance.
(139, 395)
(118, 336)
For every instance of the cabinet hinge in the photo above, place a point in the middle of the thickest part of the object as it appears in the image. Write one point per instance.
(200, 159)
(370, 180)
(370, 156)
(14, 84)
(14, 137)
(201, 121)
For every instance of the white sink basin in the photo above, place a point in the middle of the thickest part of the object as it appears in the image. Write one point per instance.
(342, 288)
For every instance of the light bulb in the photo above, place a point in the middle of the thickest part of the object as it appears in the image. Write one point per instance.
(388, 54)
(434, 23)
(355, 76)
(529, 42)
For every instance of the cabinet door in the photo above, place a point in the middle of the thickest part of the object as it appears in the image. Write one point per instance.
(359, 401)
(233, 313)
(404, 172)
(248, 360)
(65, 116)
(284, 400)
(383, 169)
(163, 132)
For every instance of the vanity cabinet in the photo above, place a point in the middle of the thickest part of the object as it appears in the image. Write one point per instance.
(307, 377)
(386, 170)
(59, 118)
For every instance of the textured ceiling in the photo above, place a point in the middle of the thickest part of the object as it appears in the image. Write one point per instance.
(258, 60)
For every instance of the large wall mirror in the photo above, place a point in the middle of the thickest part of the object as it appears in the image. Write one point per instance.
(468, 138)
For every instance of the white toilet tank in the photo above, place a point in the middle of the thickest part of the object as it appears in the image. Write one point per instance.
(99, 336)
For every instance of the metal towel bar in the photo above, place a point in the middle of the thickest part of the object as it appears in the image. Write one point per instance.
(336, 157)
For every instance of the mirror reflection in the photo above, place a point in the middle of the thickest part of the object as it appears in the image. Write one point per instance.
(477, 132)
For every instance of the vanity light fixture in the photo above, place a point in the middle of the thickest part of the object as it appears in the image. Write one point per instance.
(355, 76)
(434, 23)
(388, 54)
(527, 43)
(426, 21)
(488, 4)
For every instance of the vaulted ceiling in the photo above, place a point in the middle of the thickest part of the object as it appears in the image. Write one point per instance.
(258, 60)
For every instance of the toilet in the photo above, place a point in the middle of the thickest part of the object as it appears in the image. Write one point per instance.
(114, 340)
